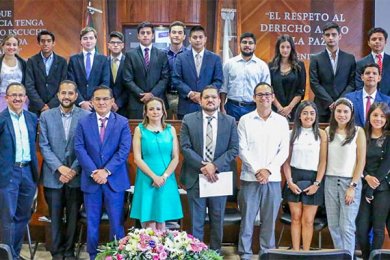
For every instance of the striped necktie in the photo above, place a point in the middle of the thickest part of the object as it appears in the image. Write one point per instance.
(209, 140)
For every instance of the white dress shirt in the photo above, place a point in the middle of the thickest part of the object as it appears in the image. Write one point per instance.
(143, 50)
(91, 57)
(333, 61)
(365, 95)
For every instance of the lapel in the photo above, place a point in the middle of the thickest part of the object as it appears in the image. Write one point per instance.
(340, 61)
(221, 121)
(80, 59)
(31, 131)
(110, 127)
(141, 59)
(191, 60)
(54, 65)
(120, 68)
(11, 127)
(41, 65)
(95, 63)
(94, 128)
(326, 59)
(57, 121)
(378, 97)
(199, 134)
(205, 61)
(360, 107)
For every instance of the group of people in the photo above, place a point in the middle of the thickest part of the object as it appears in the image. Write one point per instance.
(85, 139)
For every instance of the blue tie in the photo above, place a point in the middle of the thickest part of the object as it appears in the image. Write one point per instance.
(88, 64)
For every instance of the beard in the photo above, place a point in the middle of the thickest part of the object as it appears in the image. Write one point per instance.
(247, 54)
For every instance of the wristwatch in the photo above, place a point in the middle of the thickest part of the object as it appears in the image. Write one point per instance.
(317, 183)
(353, 185)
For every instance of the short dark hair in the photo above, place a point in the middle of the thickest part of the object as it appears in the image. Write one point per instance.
(207, 88)
(14, 84)
(331, 25)
(197, 28)
(86, 30)
(117, 35)
(371, 65)
(377, 30)
(177, 23)
(45, 32)
(69, 82)
(262, 84)
(248, 35)
(145, 25)
(103, 87)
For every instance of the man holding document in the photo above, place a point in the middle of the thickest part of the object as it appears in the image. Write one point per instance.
(209, 143)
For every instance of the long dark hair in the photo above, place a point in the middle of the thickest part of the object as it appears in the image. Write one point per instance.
(386, 128)
(297, 129)
(293, 58)
(350, 127)
(145, 122)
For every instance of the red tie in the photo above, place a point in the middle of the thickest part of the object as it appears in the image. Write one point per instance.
(147, 58)
(379, 61)
(102, 128)
(368, 105)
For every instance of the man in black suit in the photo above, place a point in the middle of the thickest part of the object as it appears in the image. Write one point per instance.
(88, 69)
(332, 72)
(377, 38)
(44, 73)
(145, 72)
(116, 60)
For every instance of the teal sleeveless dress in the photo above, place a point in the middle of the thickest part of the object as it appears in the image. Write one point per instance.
(152, 203)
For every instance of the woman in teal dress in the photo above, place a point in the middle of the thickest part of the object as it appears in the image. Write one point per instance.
(156, 154)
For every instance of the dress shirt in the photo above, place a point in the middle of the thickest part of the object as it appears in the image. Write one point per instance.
(201, 53)
(100, 122)
(48, 62)
(22, 148)
(118, 59)
(91, 57)
(241, 77)
(150, 51)
(373, 95)
(305, 154)
(333, 61)
(376, 58)
(264, 144)
(66, 121)
(214, 125)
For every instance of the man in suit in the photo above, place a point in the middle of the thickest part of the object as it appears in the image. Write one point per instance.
(362, 99)
(102, 146)
(44, 73)
(332, 72)
(19, 168)
(146, 72)
(195, 69)
(377, 38)
(60, 169)
(117, 60)
(88, 69)
(209, 144)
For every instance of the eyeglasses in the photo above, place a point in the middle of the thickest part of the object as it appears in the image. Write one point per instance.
(266, 95)
(16, 95)
(98, 99)
(115, 43)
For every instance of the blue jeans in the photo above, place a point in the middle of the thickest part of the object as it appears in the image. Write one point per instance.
(238, 111)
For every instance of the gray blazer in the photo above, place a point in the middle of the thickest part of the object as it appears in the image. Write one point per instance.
(56, 151)
(191, 141)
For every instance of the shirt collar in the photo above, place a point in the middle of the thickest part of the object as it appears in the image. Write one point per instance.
(171, 52)
(330, 53)
(92, 52)
(48, 58)
(118, 58)
(201, 53)
(13, 113)
(365, 94)
(374, 55)
(106, 116)
(204, 115)
(252, 59)
(144, 47)
(70, 113)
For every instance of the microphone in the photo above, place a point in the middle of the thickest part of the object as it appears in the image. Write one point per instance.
(156, 132)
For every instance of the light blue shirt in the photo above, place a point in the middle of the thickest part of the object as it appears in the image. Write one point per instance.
(48, 62)
(21, 137)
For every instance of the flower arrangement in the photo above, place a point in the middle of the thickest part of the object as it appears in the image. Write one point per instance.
(157, 245)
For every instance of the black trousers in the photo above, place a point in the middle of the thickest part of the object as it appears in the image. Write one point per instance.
(373, 216)
(59, 200)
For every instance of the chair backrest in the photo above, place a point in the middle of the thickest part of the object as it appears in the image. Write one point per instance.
(5, 252)
(276, 254)
(380, 254)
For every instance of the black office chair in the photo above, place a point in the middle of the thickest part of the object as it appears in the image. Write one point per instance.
(32, 248)
(320, 221)
(277, 254)
(380, 254)
(5, 252)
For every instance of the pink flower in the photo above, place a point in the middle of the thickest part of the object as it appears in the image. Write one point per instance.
(108, 258)
(163, 255)
(119, 257)
(121, 247)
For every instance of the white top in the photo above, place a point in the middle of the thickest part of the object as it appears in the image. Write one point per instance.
(10, 74)
(341, 159)
(214, 125)
(306, 151)
(333, 61)
(264, 144)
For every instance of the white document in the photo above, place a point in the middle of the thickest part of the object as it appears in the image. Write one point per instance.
(222, 187)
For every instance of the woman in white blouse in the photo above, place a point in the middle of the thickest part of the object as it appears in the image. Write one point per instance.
(304, 171)
(343, 187)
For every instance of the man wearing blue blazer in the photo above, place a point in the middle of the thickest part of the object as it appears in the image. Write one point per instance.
(19, 168)
(102, 146)
(377, 38)
(194, 70)
(362, 99)
(88, 69)
(60, 169)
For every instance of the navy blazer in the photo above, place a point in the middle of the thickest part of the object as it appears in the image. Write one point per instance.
(41, 88)
(21, 61)
(185, 78)
(8, 145)
(112, 154)
(118, 87)
(384, 84)
(100, 74)
(326, 86)
(357, 100)
(191, 141)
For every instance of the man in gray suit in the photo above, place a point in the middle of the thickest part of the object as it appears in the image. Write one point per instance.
(60, 170)
(209, 143)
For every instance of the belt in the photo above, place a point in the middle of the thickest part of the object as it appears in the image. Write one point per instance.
(241, 103)
(173, 92)
(21, 164)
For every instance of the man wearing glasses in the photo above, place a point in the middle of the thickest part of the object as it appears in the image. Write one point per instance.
(19, 167)
(241, 74)
(264, 146)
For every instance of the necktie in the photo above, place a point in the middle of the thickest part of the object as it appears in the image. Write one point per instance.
(114, 68)
(198, 63)
(102, 128)
(368, 105)
(209, 140)
(147, 58)
(379, 61)
(88, 64)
